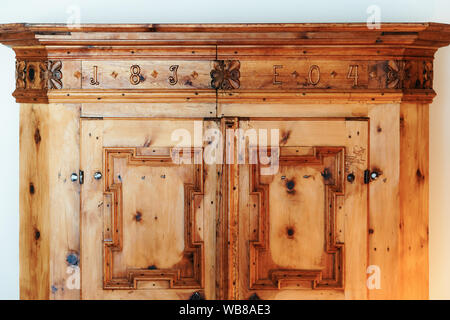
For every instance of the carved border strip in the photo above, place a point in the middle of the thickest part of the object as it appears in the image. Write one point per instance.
(226, 75)
(275, 277)
(113, 244)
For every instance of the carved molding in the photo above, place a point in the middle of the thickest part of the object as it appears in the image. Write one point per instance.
(21, 74)
(54, 74)
(39, 74)
(260, 248)
(193, 250)
(397, 73)
(225, 74)
(402, 74)
(411, 78)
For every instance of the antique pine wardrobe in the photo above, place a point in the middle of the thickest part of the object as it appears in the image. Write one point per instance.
(106, 213)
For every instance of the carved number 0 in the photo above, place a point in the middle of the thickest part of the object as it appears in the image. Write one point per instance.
(310, 75)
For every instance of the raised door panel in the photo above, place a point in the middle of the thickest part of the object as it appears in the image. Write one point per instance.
(303, 224)
(145, 228)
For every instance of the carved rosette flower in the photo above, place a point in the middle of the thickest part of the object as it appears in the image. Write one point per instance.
(225, 74)
(54, 74)
(397, 73)
(21, 74)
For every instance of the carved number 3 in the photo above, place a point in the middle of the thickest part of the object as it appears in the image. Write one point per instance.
(135, 77)
(173, 79)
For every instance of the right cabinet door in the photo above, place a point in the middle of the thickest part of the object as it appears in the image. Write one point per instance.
(303, 224)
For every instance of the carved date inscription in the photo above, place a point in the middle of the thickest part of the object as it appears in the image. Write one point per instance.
(305, 74)
(383, 75)
(149, 74)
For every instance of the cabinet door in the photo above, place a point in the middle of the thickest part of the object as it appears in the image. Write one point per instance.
(147, 222)
(303, 228)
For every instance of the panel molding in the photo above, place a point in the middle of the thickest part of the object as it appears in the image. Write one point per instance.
(334, 187)
(193, 250)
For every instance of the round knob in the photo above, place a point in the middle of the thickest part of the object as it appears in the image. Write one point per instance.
(351, 178)
(73, 177)
(97, 175)
(374, 175)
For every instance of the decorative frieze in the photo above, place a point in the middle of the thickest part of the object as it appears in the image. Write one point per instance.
(274, 75)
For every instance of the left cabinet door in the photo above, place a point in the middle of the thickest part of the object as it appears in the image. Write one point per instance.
(147, 210)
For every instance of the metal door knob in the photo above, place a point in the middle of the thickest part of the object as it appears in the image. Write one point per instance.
(73, 177)
(374, 175)
(97, 175)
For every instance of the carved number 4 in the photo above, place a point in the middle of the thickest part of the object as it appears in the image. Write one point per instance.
(353, 74)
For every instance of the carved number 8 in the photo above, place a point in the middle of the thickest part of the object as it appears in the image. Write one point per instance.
(135, 77)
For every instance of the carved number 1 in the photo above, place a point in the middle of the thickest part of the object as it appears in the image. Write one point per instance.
(94, 79)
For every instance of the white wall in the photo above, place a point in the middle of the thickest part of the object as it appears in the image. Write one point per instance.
(232, 11)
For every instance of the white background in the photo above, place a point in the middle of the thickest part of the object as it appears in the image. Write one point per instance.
(230, 11)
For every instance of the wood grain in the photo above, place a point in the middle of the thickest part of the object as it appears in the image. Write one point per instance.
(414, 186)
(49, 205)
(384, 206)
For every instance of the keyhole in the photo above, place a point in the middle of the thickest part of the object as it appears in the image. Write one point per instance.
(290, 185)
(351, 178)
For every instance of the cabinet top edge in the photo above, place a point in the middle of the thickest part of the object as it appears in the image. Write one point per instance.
(427, 34)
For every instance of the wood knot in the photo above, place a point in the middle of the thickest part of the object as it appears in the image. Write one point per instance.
(138, 216)
(419, 175)
(290, 232)
(37, 234)
(37, 136)
(285, 137)
(32, 189)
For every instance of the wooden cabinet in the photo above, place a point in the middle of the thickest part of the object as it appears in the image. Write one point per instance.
(224, 161)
